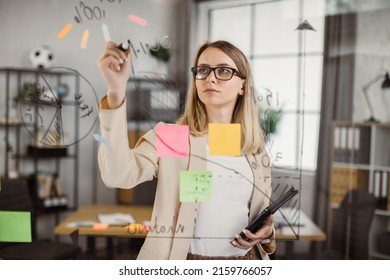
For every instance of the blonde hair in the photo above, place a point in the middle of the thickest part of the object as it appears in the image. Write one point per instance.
(246, 108)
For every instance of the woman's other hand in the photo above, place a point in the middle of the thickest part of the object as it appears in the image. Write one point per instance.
(264, 233)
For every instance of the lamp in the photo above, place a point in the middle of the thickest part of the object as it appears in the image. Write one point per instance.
(385, 84)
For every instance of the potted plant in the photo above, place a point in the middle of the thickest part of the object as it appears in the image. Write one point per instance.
(160, 52)
(269, 120)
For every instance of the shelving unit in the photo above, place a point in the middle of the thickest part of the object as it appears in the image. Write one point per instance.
(39, 111)
(360, 159)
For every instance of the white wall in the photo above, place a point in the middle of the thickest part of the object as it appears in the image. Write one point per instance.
(27, 24)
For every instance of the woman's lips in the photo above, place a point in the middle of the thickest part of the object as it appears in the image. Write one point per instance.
(210, 90)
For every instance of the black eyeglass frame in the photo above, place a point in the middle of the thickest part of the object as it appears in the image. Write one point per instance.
(235, 72)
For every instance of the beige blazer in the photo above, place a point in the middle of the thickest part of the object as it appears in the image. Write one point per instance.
(172, 221)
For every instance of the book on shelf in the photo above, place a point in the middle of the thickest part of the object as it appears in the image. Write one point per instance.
(352, 144)
(380, 188)
(49, 191)
(388, 200)
(44, 185)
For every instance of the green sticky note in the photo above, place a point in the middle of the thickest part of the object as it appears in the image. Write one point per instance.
(15, 226)
(224, 139)
(195, 186)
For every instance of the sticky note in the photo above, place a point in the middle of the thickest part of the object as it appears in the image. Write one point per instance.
(100, 226)
(101, 139)
(106, 33)
(15, 226)
(137, 20)
(84, 39)
(172, 140)
(64, 31)
(195, 186)
(224, 139)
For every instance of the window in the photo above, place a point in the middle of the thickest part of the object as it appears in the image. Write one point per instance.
(285, 62)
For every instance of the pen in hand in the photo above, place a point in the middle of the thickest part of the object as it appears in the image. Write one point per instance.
(125, 45)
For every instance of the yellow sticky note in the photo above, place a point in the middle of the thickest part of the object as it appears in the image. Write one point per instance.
(225, 139)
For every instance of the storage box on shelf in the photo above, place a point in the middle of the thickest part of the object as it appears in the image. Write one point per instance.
(345, 179)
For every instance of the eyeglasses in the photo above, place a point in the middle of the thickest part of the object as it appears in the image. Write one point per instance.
(222, 73)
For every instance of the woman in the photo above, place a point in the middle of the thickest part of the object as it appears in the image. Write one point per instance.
(221, 91)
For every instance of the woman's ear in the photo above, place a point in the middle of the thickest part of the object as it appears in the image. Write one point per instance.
(242, 90)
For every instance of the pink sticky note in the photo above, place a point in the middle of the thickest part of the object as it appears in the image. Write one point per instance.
(137, 20)
(172, 140)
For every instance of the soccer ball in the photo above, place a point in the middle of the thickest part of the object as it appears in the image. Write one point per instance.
(41, 57)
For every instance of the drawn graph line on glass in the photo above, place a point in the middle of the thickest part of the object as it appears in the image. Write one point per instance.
(42, 110)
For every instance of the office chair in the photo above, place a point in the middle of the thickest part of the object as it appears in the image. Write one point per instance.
(15, 196)
(351, 224)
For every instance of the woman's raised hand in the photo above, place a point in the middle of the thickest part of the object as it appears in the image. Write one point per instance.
(114, 65)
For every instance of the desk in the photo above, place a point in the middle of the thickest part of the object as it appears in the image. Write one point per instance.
(90, 212)
(307, 229)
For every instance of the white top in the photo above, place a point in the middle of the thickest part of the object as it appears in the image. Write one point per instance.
(226, 214)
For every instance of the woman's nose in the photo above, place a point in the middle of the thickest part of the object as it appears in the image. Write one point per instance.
(211, 77)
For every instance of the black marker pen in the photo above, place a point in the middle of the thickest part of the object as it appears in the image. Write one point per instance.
(125, 46)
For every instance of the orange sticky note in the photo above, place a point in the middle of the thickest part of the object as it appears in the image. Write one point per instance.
(99, 226)
(225, 139)
(64, 31)
(172, 140)
(84, 39)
